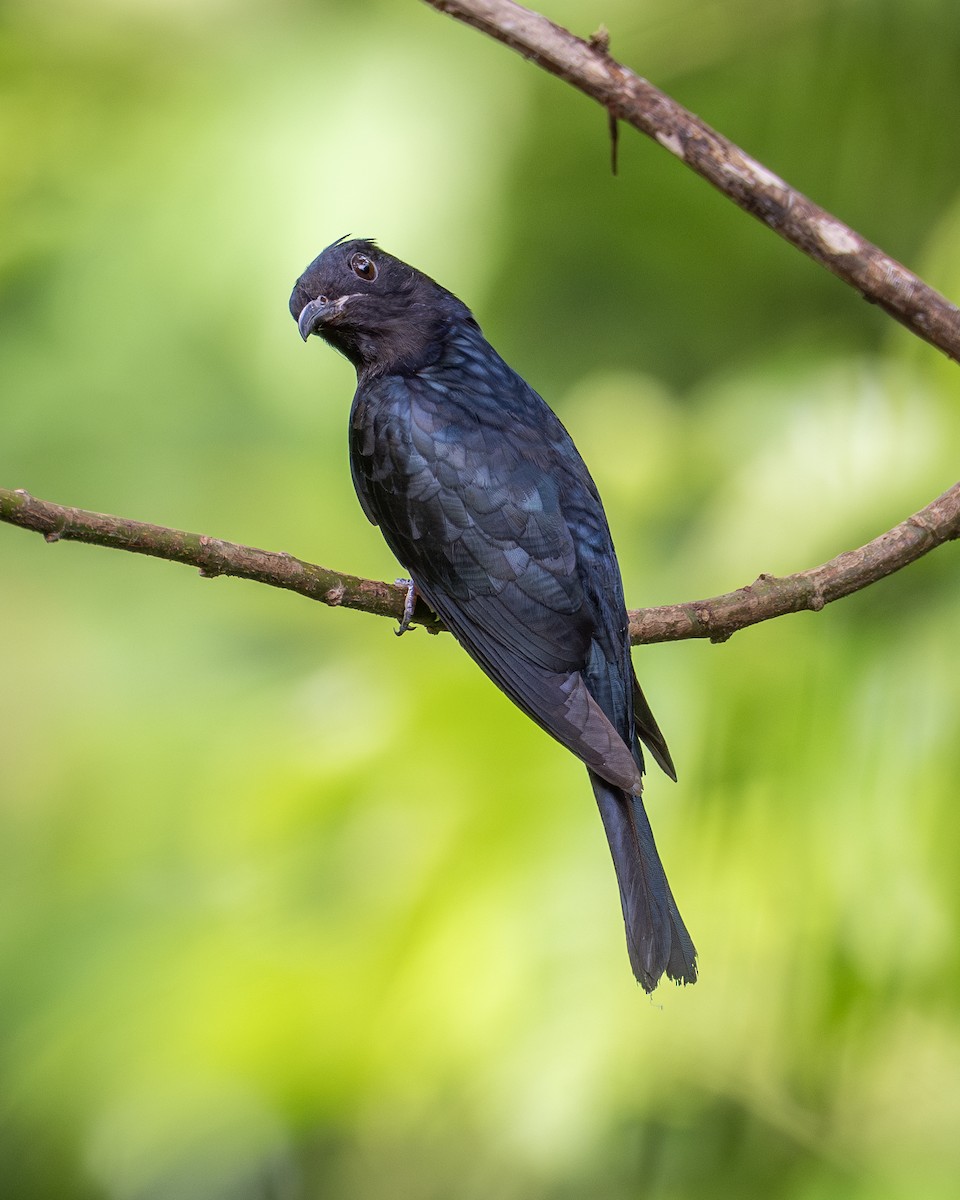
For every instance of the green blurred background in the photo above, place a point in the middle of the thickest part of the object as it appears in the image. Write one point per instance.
(290, 908)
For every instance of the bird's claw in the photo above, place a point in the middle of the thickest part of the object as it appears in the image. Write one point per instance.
(409, 604)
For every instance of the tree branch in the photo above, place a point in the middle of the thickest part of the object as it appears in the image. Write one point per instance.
(828, 241)
(589, 67)
(807, 591)
(717, 618)
(210, 556)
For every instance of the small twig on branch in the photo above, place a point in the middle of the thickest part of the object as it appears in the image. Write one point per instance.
(717, 618)
(588, 66)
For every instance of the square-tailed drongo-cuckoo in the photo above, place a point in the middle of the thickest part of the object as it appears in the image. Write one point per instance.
(481, 494)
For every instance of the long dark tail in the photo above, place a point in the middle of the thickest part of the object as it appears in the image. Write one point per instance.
(657, 939)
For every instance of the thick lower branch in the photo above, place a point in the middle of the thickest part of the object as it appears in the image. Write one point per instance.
(716, 618)
(587, 65)
(807, 591)
(210, 556)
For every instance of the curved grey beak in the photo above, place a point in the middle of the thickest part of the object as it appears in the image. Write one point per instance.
(311, 315)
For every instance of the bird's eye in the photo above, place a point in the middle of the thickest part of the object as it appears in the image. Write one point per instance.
(363, 267)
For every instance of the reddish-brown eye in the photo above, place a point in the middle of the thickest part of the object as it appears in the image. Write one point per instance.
(363, 267)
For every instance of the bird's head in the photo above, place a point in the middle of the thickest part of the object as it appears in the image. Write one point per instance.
(373, 308)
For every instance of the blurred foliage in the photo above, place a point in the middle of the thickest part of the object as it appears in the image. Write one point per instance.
(291, 909)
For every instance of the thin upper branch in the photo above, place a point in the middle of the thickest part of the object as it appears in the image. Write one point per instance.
(588, 66)
(716, 618)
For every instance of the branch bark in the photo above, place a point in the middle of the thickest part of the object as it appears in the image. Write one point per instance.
(716, 618)
(587, 65)
(211, 556)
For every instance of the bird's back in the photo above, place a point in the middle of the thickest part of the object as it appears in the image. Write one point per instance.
(482, 495)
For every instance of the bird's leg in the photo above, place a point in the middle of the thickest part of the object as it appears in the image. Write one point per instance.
(409, 604)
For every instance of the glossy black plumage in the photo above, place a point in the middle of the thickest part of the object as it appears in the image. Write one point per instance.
(484, 499)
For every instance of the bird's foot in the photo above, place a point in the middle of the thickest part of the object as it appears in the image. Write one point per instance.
(409, 604)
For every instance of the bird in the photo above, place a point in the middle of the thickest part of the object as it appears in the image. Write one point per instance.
(480, 493)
